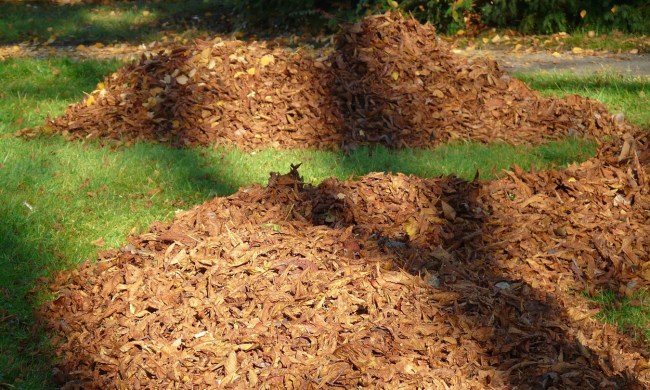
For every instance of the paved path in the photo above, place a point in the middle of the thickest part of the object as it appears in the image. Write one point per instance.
(627, 64)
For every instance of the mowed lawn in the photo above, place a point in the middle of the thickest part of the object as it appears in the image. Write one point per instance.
(62, 201)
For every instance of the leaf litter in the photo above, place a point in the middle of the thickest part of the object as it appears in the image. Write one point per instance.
(386, 281)
(388, 80)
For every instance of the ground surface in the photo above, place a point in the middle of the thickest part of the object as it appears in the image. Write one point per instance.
(61, 201)
(384, 280)
(625, 64)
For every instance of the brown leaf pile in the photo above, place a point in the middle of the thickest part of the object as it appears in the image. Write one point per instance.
(388, 81)
(388, 281)
(590, 220)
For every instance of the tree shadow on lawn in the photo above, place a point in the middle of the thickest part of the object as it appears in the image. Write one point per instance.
(146, 20)
(25, 355)
(47, 227)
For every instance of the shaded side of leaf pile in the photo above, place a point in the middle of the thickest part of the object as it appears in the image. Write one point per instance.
(388, 81)
(387, 281)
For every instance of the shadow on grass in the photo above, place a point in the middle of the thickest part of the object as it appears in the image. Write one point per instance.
(148, 20)
(57, 198)
(25, 356)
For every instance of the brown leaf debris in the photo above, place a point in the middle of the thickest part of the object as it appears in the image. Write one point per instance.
(387, 281)
(387, 81)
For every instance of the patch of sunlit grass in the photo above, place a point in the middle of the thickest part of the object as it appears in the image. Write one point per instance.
(620, 93)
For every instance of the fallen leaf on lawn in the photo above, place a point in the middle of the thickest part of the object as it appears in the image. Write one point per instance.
(99, 242)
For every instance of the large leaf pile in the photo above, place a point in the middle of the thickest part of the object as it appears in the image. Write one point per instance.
(387, 281)
(387, 80)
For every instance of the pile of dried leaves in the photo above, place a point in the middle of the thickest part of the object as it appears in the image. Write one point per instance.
(388, 80)
(388, 281)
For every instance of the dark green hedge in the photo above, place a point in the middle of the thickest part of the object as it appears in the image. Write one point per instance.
(527, 16)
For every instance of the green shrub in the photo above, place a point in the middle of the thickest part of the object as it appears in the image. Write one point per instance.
(549, 16)
(527, 16)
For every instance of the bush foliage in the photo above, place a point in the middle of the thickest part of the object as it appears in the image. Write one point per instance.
(527, 16)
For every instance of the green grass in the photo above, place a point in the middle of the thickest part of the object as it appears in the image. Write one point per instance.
(605, 40)
(32, 88)
(59, 197)
(630, 314)
(133, 21)
(620, 93)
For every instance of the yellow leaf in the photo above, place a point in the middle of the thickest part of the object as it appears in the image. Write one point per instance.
(231, 363)
(101, 86)
(267, 59)
(146, 13)
(583, 13)
(411, 227)
(90, 101)
(394, 75)
(577, 50)
(176, 124)
(206, 53)
(438, 93)
(251, 71)
(99, 45)
(182, 79)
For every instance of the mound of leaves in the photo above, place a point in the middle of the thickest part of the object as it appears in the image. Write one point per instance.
(387, 80)
(386, 281)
